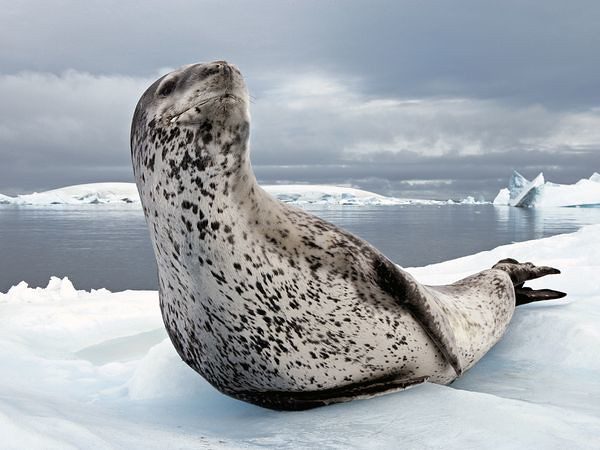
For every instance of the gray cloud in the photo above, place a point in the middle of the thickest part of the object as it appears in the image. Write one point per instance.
(543, 52)
(412, 175)
(54, 128)
(374, 94)
(303, 110)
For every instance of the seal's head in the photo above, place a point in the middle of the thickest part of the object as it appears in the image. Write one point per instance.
(191, 94)
(191, 124)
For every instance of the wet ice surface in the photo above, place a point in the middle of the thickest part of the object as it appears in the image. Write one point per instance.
(91, 369)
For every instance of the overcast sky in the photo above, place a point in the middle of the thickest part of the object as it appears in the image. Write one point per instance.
(415, 98)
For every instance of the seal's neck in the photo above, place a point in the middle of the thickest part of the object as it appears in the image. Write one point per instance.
(214, 168)
(202, 174)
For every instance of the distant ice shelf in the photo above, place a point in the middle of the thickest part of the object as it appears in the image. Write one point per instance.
(524, 193)
(80, 194)
(299, 194)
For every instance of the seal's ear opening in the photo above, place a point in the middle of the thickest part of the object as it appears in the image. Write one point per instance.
(166, 87)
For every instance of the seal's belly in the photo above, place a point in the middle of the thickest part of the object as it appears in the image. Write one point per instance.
(245, 346)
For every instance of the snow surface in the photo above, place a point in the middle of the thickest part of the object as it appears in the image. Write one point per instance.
(95, 370)
(524, 193)
(300, 194)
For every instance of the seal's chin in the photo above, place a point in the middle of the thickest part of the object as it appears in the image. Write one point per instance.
(196, 113)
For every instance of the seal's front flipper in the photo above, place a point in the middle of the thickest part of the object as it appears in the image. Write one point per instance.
(520, 273)
(424, 306)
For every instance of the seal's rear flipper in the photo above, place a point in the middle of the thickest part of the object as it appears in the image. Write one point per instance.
(526, 295)
(520, 273)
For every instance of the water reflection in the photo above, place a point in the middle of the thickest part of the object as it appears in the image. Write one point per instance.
(532, 223)
(94, 246)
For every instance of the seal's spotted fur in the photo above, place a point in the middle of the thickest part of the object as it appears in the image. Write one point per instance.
(271, 304)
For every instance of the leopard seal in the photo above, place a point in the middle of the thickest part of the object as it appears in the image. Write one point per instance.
(271, 304)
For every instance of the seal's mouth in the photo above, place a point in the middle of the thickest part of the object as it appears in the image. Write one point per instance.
(223, 97)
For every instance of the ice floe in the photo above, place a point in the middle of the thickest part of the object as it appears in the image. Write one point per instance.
(95, 370)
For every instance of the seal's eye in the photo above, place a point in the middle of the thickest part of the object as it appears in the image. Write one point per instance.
(166, 88)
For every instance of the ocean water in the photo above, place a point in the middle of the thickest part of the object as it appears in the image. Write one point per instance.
(100, 246)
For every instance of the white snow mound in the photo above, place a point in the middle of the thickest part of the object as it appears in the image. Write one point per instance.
(95, 370)
(524, 193)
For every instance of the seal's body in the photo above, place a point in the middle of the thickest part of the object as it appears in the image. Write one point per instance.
(273, 305)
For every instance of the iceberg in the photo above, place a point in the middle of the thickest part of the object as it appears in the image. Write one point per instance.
(538, 192)
(5, 199)
(298, 194)
(95, 370)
